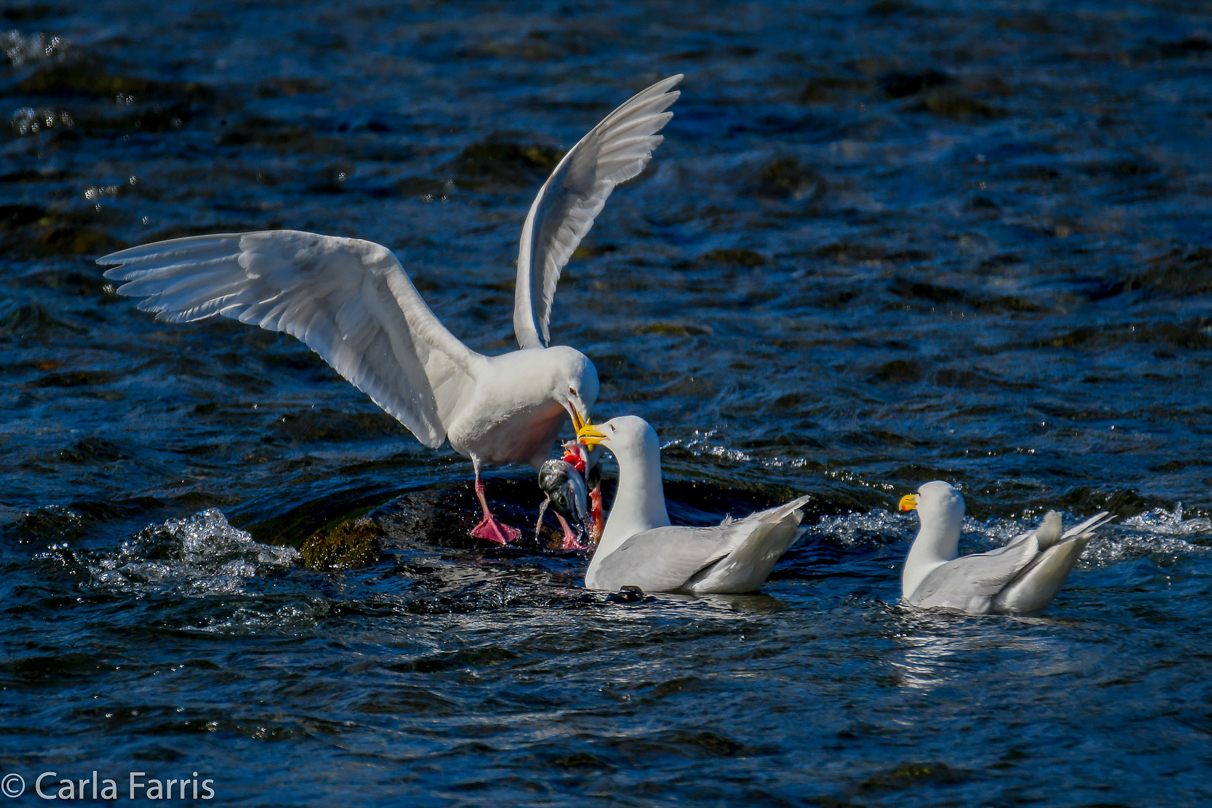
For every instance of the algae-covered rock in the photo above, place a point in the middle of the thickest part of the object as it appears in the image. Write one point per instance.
(349, 545)
(910, 775)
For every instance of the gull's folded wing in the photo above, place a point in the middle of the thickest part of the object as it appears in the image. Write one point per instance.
(665, 558)
(735, 556)
(956, 584)
(348, 300)
(616, 150)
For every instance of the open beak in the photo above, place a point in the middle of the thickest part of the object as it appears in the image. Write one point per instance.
(908, 503)
(578, 423)
(589, 435)
(583, 426)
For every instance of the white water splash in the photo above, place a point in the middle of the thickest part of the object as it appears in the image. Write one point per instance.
(200, 555)
(33, 48)
(31, 121)
(1157, 531)
(701, 444)
(864, 529)
(252, 621)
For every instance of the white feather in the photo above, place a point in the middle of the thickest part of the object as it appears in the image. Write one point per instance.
(640, 548)
(1022, 576)
(348, 300)
(616, 150)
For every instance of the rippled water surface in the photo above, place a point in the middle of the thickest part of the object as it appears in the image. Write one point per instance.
(883, 243)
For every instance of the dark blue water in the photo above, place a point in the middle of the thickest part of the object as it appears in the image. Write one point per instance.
(883, 243)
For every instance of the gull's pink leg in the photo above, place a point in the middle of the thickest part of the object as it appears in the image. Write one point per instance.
(489, 528)
(570, 538)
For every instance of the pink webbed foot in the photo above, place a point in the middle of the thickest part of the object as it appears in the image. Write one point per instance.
(489, 528)
(492, 530)
(571, 541)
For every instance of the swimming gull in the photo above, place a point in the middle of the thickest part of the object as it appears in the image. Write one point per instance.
(351, 302)
(640, 548)
(1023, 576)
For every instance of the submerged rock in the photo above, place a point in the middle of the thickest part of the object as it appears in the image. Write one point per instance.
(1178, 272)
(72, 240)
(902, 85)
(84, 78)
(950, 104)
(737, 257)
(910, 775)
(627, 594)
(826, 89)
(898, 371)
(349, 545)
(787, 177)
(493, 162)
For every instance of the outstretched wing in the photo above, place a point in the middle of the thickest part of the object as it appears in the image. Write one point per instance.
(616, 150)
(348, 300)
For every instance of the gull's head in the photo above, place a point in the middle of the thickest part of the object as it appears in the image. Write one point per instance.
(628, 435)
(574, 383)
(941, 510)
(939, 506)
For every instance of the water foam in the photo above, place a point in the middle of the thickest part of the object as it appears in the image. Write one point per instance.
(1157, 531)
(196, 556)
(1154, 532)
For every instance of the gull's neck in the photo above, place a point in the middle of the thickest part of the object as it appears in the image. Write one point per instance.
(639, 504)
(937, 543)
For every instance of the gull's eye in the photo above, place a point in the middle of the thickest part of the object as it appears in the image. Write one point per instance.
(572, 390)
(614, 428)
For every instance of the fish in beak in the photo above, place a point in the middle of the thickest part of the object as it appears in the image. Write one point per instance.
(565, 488)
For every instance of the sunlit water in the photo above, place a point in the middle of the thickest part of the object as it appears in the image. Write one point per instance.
(882, 244)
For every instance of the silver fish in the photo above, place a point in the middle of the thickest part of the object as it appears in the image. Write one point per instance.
(565, 489)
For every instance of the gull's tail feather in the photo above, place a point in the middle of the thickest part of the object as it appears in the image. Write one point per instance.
(1037, 585)
(1089, 526)
(744, 569)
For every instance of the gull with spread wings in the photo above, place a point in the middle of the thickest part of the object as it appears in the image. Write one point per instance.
(351, 302)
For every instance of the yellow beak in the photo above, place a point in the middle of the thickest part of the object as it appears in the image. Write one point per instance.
(908, 503)
(583, 426)
(589, 435)
(578, 423)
